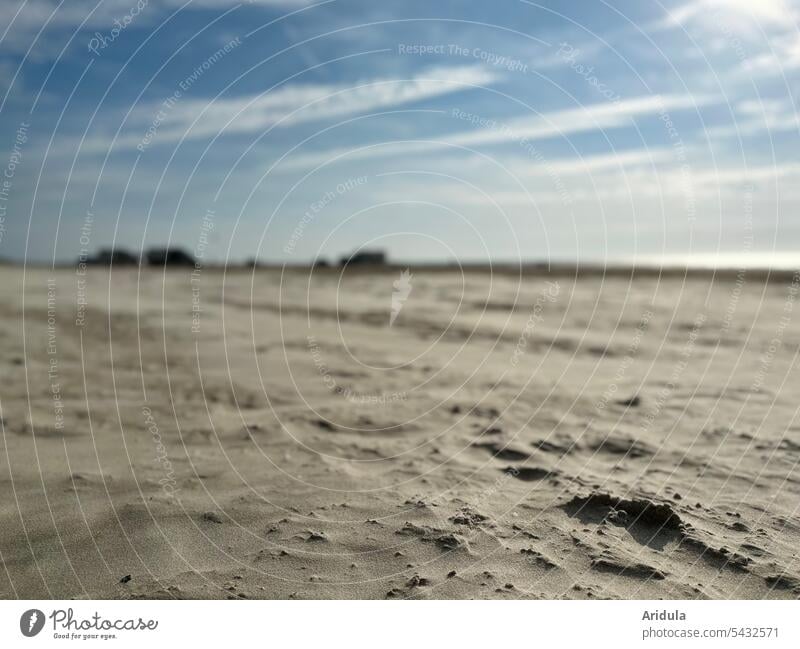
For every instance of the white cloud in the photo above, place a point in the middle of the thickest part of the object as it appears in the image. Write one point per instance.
(763, 33)
(756, 117)
(585, 118)
(782, 55)
(544, 178)
(740, 46)
(561, 123)
(294, 104)
(708, 181)
(290, 105)
(664, 182)
(282, 107)
(21, 20)
(741, 16)
(616, 160)
(579, 165)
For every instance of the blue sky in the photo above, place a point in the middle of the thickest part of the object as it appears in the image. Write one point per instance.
(461, 131)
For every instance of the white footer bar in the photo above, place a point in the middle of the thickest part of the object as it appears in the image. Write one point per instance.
(402, 624)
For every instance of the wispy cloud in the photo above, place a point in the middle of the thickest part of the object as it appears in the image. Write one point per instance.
(742, 16)
(782, 56)
(711, 181)
(294, 104)
(644, 181)
(561, 123)
(757, 117)
(605, 115)
(764, 33)
(632, 158)
(587, 177)
(21, 20)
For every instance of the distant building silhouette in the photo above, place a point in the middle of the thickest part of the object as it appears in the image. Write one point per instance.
(169, 257)
(365, 258)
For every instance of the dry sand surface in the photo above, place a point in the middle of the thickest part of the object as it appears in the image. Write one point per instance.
(502, 438)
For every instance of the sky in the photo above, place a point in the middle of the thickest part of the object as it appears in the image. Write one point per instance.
(503, 131)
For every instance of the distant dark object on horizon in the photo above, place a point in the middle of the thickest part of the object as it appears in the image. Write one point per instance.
(365, 258)
(169, 257)
(115, 256)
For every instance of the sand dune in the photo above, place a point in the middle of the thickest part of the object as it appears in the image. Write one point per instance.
(277, 436)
